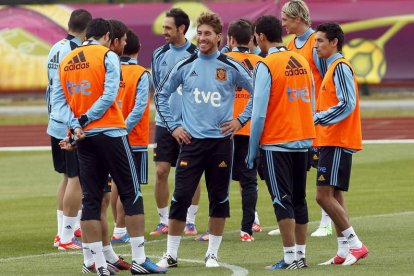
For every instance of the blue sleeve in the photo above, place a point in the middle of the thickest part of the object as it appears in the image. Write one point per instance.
(155, 73)
(141, 102)
(320, 63)
(262, 84)
(111, 87)
(346, 94)
(245, 80)
(60, 109)
(165, 89)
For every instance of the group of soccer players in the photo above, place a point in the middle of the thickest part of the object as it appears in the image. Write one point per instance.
(98, 101)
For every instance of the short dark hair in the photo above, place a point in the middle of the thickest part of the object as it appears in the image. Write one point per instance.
(332, 30)
(78, 20)
(180, 18)
(270, 26)
(132, 43)
(241, 31)
(119, 29)
(97, 28)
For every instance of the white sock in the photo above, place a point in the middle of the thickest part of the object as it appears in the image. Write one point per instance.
(87, 255)
(119, 232)
(163, 212)
(98, 256)
(352, 238)
(289, 254)
(78, 217)
(59, 214)
(256, 217)
(110, 254)
(325, 219)
(191, 214)
(213, 244)
(173, 243)
(68, 227)
(343, 247)
(138, 249)
(300, 251)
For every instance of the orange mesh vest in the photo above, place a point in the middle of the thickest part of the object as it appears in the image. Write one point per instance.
(346, 133)
(307, 52)
(82, 74)
(241, 95)
(131, 74)
(289, 111)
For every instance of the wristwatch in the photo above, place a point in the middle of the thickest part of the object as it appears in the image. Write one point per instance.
(83, 119)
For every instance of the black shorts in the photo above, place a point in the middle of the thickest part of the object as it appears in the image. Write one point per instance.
(334, 167)
(240, 171)
(99, 156)
(166, 147)
(64, 161)
(213, 157)
(285, 175)
(313, 158)
(142, 166)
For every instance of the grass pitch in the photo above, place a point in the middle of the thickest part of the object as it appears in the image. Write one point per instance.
(380, 204)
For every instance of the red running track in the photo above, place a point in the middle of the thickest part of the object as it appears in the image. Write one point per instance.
(372, 129)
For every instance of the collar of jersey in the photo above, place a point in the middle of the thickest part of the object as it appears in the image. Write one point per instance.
(304, 37)
(241, 49)
(332, 58)
(128, 60)
(91, 42)
(181, 47)
(211, 56)
(276, 49)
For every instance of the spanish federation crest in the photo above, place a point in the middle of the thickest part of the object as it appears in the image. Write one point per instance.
(221, 74)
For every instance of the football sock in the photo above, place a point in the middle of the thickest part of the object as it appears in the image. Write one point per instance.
(191, 214)
(119, 232)
(325, 219)
(138, 249)
(173, 243)
(98, 256)
(343, 247)
(59, 215)
(300, 251)
(163, 212)
(213, 244)
(110, 254)
(68, 227)
(352, 238)
(289, 254)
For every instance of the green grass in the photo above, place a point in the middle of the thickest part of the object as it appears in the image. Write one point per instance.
(380, 204)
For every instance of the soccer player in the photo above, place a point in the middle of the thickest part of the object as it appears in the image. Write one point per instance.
(133, 99)
(208, 79)
(238, 38)
(283, 128)
(339, 127)
(176, 24)
(296, 19)
(90, 76)
(65, 162)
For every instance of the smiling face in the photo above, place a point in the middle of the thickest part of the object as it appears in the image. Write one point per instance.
(324, 47)
(171, 33)
(291, 24)
(207, 39)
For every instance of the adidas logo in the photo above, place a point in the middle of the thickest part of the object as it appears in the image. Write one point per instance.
(164, 63)
(315, 157)
(68, 227)
(294, 68)
(222, 165)
(77, 62)
(141, 244)
(54, 62)
(193, 74)
(321, 178)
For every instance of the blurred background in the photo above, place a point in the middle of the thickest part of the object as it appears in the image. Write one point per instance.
(379, 38)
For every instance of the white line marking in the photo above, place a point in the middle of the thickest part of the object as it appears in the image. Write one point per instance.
(405, 213)
(150, 146)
